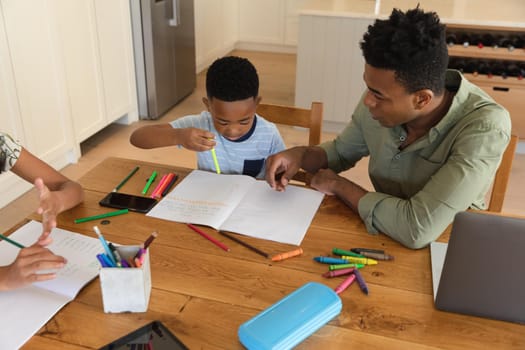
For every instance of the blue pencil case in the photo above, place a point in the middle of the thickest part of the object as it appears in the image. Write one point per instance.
(292, 319)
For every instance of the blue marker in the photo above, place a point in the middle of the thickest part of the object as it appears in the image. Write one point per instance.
(330, 260)
(102, 261)
(105, 245)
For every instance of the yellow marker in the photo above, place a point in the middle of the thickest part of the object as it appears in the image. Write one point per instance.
(356, 260)
(214, 155)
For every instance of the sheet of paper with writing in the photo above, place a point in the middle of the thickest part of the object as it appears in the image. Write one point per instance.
(241, 204)
(27, 309)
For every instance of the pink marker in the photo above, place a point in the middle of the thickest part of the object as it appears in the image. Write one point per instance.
(340, 272)
(345, 284)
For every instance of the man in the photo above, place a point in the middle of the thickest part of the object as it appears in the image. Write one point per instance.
(434, 139)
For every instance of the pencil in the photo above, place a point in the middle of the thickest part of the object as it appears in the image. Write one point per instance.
(9, 240)
(126, 179)
(101, 216)
(208, 237)
(252, 248)
(215, 161)
(150, 239)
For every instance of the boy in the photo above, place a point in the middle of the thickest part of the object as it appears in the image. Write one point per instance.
(242, 140)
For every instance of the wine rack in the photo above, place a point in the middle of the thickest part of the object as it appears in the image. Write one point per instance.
(494, 59)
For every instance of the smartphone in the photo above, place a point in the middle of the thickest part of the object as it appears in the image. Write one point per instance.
(128, 201)
(154, 335)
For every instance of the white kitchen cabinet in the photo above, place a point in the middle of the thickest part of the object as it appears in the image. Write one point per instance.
(261, 21)
(216, 30)
(95, 44)
(66, 72)
(330, 66)
(269, 25)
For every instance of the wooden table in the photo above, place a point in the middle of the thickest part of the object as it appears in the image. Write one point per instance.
(203, 293)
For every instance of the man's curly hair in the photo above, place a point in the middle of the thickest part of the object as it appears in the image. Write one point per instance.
(232, 78)
(413, 45)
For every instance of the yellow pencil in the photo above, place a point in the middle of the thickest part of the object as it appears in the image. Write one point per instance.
(214, 155)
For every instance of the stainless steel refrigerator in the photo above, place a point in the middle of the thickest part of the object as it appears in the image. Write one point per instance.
(164, 49)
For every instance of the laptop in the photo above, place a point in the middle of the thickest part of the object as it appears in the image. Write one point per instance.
(484, 269)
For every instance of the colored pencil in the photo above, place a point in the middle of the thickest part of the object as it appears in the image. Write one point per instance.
(208, 237)
(126, 179)
(249, 246)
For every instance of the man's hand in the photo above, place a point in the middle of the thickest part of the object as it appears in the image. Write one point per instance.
(282, 166)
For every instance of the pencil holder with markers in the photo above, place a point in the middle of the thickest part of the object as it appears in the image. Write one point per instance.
(125, 281)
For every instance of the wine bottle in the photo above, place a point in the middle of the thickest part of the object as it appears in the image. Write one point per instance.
(483, 67)
(464, 39)
(512, 69)
(498, 39)
(471, 66)
(457, 63)
(498, 68)
(518, 41)
(475, 40)
(505, 42)
(451, 39)
(488, 40)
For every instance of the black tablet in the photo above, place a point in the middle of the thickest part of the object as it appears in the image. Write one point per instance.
(154, 336)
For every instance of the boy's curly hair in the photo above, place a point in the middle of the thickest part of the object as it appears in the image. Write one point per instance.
(232, 78)
(413, 45)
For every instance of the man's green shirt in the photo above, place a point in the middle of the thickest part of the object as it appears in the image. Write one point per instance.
(419, 189)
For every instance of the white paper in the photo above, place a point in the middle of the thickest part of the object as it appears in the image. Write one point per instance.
(27, 309)
(241, 204)
(438, 251)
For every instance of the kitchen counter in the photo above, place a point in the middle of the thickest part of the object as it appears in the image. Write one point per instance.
(508, 13)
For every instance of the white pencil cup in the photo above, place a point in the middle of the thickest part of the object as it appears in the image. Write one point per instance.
(126, 289)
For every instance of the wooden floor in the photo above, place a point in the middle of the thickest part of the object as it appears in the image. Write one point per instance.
(277, 85)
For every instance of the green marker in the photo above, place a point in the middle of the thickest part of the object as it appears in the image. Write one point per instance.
(101, 216)
(150, 180)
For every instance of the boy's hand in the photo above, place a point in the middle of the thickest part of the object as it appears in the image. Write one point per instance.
(197, 139)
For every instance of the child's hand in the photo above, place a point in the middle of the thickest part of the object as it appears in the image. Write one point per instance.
(30, 266)
(49, 208)
(197, 139)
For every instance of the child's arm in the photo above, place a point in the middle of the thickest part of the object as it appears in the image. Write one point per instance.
(56, 192)
(163, 135)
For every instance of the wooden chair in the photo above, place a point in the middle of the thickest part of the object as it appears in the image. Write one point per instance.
(293, 116)
(499, 187)
(311, 119)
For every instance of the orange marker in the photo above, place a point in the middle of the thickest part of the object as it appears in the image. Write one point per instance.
(282, 256)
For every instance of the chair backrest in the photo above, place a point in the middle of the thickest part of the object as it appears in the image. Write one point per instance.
(501, 179)
(293, 116)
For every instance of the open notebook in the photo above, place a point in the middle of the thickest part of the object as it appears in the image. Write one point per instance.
(27, 309)
(241, 204)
